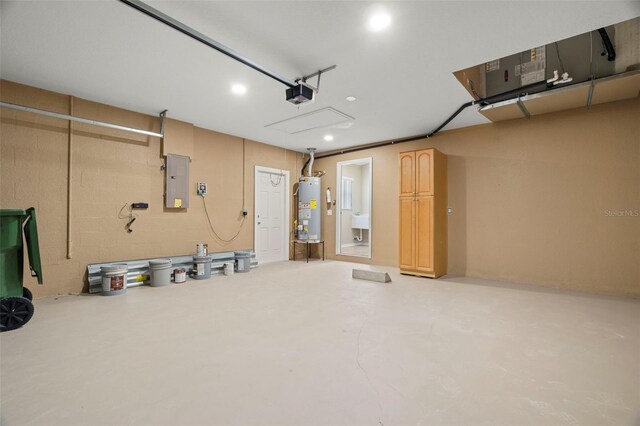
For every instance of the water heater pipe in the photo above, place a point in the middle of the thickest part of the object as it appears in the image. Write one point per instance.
(304, 166)
(311, 159)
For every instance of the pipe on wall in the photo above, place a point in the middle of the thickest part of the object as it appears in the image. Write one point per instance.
(408, 139)
(69, 182)
(85, 120)
(311, 159)
(535, 87)
(608, 46)
(304, 166)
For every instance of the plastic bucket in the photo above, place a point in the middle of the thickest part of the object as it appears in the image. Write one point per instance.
(228, 268)
(201, 267)
(243, 261)
(160, 272)
(180, 275)
(114, 279)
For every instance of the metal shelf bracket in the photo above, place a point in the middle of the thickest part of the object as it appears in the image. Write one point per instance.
(523, 108)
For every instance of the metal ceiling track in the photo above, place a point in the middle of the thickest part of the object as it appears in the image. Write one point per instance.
(208, 41)
(88, 121)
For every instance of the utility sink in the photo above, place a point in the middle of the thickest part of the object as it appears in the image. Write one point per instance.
(360, 221)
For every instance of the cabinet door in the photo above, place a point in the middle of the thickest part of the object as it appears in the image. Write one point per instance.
(424, 172)
(407, 174)
(424, 233)
(407, 233)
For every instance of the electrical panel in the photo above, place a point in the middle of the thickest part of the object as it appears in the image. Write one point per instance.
(177, 182)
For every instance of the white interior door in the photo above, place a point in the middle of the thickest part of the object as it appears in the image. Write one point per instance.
(271, 211)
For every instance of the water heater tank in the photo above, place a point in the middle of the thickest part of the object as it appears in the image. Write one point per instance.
(309, 208)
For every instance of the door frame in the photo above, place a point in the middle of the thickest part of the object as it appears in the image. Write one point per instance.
(339, 166)
(287, 207)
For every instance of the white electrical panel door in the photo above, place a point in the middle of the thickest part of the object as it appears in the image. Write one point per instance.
(270, 217)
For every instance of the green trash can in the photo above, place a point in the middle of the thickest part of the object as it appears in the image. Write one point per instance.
(16, 308)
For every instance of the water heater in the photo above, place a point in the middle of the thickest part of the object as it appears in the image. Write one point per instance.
(309, 205)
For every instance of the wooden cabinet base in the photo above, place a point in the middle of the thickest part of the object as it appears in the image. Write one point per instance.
(420, 274)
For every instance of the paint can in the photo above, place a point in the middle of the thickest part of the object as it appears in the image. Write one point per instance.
(200, 250)
(180, 275)
(160, 271)
(228, 268)
(243, 261)
(114, 279)
(201, 267)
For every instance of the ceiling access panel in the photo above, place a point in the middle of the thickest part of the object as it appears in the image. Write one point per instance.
(319, 119)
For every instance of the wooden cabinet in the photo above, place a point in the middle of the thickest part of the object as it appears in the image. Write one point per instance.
(423, 213)
(407, 174)
(407, 233)
(424, 172)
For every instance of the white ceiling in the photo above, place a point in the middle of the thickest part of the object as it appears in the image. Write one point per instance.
(108, 52)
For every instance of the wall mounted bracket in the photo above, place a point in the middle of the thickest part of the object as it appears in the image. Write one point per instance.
(163, 115)
(523, 108)
(590, 95)
(317, 73)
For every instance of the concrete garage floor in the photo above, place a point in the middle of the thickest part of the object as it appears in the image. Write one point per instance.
(296, 343)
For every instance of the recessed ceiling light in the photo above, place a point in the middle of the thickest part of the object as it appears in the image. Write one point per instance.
(350, 98)
(379, 21)
(328, 138)
(239, 89)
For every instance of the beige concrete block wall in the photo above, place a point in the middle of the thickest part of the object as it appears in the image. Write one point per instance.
(530, 199)
(529, 196)
(110, 169)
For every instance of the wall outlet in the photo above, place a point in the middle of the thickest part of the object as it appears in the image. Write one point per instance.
(449, 210)
(202, 189)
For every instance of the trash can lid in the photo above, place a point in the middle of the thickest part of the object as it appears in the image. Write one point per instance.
(12, 212)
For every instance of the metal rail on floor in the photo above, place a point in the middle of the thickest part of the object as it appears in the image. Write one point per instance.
(138, 270)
